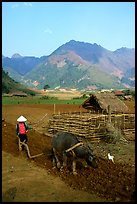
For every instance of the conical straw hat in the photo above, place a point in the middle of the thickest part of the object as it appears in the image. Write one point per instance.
(21, 119)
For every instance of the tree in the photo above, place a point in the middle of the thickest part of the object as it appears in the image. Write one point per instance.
(46, 87)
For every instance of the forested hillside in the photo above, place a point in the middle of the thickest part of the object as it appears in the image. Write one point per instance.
(9, 85)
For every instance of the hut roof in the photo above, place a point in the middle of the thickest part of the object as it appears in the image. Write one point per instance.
(19, 93)
(118, 93)
(103, 100)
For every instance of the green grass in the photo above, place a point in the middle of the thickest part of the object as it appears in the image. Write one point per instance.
(38, 100)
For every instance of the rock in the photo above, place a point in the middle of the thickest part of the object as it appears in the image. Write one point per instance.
(117, 199)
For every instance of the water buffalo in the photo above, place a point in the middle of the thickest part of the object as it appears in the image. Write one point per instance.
(64, 143)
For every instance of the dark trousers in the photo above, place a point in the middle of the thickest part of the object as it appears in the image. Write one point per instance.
(23, 137)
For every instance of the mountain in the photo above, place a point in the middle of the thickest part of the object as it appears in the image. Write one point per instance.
(16, 55)
(130, 77)
(21, 65)
(70, 71)
(75, 65)
(121, 59)
(9, 85)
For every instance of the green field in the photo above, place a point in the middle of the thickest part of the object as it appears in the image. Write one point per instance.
(39, 100)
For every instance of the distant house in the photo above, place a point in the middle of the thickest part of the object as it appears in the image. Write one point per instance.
(118, 93)
(99, 102)
(91, 87)
(128, 97)
(19, 93)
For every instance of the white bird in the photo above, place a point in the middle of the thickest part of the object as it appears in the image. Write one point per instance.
(111, 157)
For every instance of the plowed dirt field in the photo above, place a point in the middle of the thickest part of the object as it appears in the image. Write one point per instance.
(34, 180)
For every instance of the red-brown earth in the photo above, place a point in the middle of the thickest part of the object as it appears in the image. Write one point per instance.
(28, 180)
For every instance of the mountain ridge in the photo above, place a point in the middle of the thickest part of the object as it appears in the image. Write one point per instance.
(75, 57)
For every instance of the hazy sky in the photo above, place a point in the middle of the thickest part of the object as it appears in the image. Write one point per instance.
(39, 28)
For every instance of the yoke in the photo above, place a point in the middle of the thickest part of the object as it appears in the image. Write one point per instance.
(73, 147)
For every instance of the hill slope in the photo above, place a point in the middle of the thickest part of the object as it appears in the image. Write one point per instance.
(9, 85)
(66, 73)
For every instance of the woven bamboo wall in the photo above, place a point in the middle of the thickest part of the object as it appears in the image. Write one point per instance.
(87, 125)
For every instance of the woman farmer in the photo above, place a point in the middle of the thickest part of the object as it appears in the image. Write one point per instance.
(22, 129)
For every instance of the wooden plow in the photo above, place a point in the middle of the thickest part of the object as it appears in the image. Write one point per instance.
(27, 148)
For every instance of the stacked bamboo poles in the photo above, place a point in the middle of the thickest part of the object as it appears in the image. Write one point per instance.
(87, 125)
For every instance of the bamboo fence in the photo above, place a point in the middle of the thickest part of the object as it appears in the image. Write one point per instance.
(87, 126)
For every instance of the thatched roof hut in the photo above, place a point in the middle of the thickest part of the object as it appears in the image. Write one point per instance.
(99, 102)
(19, 93)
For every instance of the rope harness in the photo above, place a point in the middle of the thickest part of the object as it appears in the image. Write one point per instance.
(35, 123)
(73, 147)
